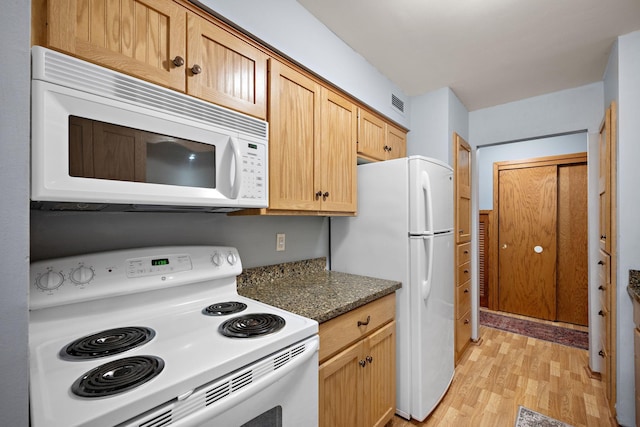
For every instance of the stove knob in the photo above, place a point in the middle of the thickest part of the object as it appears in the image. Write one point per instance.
(232, 258)
(82, 275)
(217, 259)
(50, 280)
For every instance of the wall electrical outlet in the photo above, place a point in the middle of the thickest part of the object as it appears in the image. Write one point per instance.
(280, 242)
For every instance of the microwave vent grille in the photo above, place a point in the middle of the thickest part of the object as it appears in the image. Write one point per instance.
(81, 75)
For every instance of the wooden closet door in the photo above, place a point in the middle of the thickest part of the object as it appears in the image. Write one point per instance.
(527, 241)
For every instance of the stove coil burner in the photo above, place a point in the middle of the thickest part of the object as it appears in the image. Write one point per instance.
(224, 308)
(107, 343)
(251, 325)
(117, 376)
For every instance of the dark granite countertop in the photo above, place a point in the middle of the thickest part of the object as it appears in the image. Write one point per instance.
(634, 284)
(308, 289)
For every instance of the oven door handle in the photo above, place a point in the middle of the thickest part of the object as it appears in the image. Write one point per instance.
(237, 182)
(217, 408)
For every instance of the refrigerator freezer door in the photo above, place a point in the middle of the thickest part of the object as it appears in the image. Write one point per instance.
(431, 196)
(432, 341)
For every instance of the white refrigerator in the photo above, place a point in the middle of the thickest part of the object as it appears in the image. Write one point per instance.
(404, 231)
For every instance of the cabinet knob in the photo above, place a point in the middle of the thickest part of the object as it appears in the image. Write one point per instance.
(466, 321)
(600, 262)
(601, 313)
(178, 61)
(325, 195)
(318, 194)
(362, 363)
(466, 252)
(601, 287)
(601, 353)
(603, 237)
(365, 323)
(369, 359)
(196, 69)
(466, 291)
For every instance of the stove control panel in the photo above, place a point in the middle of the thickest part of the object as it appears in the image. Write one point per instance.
(94, 276)
(150, 266)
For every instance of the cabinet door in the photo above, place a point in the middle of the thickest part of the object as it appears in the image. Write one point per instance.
(380, 381)
(462, 170)
(336, 154)
(396, 143)
(136, 37)
(371, 136)
(604, 183)
(224, 69)
(341, 385)
(294, 114)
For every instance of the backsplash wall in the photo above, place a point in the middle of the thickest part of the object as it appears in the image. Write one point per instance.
(59, 234)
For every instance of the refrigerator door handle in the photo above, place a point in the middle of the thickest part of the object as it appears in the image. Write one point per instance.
(426, 284)
(428, 203)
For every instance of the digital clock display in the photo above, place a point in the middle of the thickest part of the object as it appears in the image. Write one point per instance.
(160, 261)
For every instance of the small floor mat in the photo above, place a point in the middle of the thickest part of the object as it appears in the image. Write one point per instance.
(530, 418)
(552, 333)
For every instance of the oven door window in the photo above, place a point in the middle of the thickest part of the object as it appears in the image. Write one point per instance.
(106, 151)
(270, 418)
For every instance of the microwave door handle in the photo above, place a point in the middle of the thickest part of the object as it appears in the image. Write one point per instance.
(237, 182)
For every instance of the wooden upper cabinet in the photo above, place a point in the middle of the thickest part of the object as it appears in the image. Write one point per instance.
(224, 69)
(396, 142)
(462, 168)
(137, 37)
(161, 42)
(312, 157)
(378, 140)
(294, 120)
(336, 163)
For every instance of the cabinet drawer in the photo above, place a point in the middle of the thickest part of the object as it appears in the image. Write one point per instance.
(464, 273)
(463, 330)
(343, 330)
(463, 299)
(464, 253)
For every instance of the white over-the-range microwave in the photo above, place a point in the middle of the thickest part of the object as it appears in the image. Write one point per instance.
(102, 140)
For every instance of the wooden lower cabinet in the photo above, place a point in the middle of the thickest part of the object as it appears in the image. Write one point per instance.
(357, 386)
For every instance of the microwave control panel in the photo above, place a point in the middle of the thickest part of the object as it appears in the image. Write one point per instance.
(254, 171)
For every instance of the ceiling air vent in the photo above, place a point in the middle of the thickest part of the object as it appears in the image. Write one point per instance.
(397, 103)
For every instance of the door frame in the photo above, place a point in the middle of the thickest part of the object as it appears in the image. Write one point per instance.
(559, 160)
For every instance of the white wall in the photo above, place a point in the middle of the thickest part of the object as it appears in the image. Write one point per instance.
(434, 118)
(294, 31)
(551, 114)
(628, 206)
(14, 212)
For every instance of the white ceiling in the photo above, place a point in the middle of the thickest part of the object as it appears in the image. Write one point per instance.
(488, 52)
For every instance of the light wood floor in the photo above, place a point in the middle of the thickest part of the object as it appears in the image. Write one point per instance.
(507, 370)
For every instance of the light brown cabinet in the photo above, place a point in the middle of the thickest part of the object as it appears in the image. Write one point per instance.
(312, 158)
(606, 262)
(636, 354)
(162, 42)
(379, 140)
(462, 212)
(357, 366)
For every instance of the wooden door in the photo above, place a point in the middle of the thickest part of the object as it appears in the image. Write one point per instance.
(527, 241)
(341, 388)
(136, 37)
(572, 287)
(380, 381)
(294, 116)
(604, 183)
(224, 69)
(336, 154)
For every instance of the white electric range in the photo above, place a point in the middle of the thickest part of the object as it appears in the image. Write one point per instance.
(159, 337)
